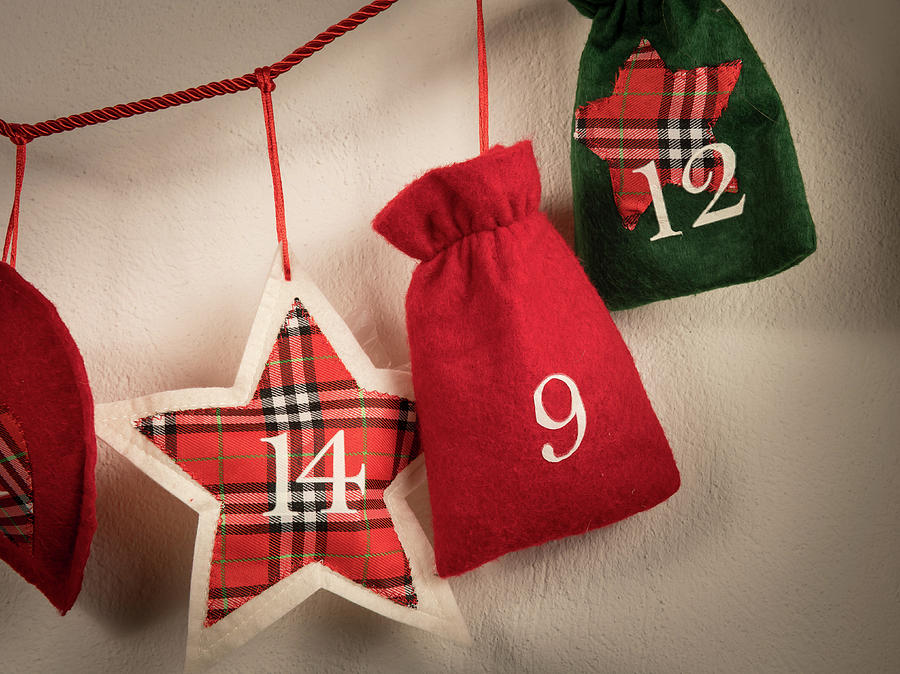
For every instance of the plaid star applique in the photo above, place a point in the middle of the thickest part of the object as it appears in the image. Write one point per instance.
(306, 400)
(16, 509)
(659, 115)
(299, 474)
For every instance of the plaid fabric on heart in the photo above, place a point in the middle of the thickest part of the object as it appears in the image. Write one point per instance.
(655, 114)
(306, 392)
(16, 507)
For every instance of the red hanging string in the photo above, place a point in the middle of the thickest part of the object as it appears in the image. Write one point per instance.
(198, 93)
(482, 79)
(12, 231)
(266, 87)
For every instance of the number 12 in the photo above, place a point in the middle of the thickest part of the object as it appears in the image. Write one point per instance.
(708, 215)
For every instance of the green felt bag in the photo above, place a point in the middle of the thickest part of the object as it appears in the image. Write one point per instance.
(683, 168)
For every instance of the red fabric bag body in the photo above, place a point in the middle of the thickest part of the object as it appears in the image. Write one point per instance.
(47, 445)
(532, 416)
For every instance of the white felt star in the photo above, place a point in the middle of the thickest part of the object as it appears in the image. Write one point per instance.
(297, 476)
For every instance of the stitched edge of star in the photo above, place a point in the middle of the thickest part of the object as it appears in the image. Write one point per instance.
(437, 610)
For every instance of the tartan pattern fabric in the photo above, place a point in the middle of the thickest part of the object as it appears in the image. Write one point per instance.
(16, 502)
(655, 114)
(306, 392)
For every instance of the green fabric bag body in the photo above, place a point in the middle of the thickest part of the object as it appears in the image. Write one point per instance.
(633, 108)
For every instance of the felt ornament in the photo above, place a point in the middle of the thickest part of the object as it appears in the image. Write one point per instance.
(47, 445)
(532, 415)
(298, 474)
(683, 168)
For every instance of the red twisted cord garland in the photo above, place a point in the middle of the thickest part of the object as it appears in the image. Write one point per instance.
(28, 132)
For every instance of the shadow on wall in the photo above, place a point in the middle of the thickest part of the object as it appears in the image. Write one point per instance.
(140, 565)
(523, 109)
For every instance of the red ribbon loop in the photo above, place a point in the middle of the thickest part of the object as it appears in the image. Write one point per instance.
(266, 85)
(482, 79)
(12, 231)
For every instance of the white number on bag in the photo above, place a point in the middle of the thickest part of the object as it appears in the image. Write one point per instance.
(338, 481)
(662, 215)
(576, 411)
(729, 163)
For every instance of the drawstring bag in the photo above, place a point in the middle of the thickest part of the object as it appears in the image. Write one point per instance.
(47, 444)
(48, 448)
(683, 168)
(532, 417)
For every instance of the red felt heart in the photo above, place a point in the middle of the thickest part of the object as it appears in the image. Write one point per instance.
(532, 416)
(47, 444)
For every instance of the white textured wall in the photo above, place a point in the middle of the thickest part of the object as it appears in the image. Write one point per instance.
(153, 237)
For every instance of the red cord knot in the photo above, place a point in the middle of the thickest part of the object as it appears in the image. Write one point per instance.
(264, 79)
(17, 137)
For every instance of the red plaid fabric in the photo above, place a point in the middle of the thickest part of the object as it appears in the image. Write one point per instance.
(306, 391)
(16, 507)
(655, 114)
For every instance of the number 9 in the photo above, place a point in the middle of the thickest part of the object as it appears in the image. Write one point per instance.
(575, 412)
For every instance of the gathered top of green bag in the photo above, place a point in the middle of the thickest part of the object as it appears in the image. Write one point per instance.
(638, 11)
(612, 18)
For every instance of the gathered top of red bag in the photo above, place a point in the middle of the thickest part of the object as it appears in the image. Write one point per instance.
(495, 189)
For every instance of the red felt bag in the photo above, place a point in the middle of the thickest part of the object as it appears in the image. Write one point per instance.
(47, 444)
(532, 416)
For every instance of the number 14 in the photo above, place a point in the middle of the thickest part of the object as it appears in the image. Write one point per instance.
(338, 481)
